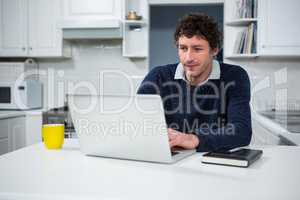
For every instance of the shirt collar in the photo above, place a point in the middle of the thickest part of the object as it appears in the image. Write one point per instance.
(215, 72)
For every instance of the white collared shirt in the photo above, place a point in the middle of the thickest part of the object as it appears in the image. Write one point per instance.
(214, 74)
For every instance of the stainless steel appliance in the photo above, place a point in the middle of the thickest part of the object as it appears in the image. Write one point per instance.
(20, 88)
(21, 96)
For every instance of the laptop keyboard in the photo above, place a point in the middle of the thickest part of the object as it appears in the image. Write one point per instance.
(173, 153)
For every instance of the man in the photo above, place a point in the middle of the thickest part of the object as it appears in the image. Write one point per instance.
(206, 103)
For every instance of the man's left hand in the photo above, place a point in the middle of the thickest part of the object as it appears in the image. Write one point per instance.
(184, 140)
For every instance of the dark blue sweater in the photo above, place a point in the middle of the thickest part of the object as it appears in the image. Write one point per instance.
(217, 112)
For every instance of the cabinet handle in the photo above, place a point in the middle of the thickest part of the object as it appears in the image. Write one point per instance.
(23, 48)
(30, 48)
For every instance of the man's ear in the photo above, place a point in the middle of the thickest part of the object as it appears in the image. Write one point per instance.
(215, 51)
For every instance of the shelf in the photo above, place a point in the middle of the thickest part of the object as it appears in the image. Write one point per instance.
(135, 56)
(241, 22)
(242, 56)
(135, 32)
(135, 22)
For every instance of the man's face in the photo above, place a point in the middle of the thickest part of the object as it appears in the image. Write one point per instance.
(195, 55)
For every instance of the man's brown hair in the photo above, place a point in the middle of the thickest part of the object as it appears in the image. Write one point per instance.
(201, 25)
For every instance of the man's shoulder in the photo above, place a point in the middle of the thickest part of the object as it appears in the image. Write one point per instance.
(229, 71)
(167, 71)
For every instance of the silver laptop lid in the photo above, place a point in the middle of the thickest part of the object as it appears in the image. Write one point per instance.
(128, 127)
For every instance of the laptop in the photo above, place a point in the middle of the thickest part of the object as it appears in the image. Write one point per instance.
(124, 127)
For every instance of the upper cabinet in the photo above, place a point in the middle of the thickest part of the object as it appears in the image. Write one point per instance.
(13, 37)
(45, 37)
(261, 28)
(92, 9)
(279, 27)
(29, 29)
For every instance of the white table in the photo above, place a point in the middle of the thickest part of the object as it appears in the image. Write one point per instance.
(37, 173)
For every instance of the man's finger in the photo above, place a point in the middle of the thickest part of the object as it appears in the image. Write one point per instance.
(171, 136)
(172, 131)
(173, 143)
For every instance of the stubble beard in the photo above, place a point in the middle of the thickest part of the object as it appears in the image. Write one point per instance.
(196, 78)
(191, 78)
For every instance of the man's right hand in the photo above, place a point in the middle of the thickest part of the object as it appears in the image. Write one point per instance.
(184, 140)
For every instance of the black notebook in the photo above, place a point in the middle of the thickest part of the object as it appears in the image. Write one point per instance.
(239, 158)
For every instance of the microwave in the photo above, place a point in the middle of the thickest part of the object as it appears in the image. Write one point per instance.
(21, 96)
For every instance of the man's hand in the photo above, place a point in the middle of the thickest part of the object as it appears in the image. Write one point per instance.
(184, 140)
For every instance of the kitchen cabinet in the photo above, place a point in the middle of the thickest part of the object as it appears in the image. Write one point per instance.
(16, 132)
(4, 146)
(20, 130)
(29, 29)
(4, 128)
(13, 37)
(92, 9)
(272, 26)
(33, 123)
(279, 27)
(4, 136)
(12, 134)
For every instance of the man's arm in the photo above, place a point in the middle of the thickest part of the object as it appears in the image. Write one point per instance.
(237, 132)
(151, 83)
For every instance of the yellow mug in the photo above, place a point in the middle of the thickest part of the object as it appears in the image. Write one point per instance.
(53, 135)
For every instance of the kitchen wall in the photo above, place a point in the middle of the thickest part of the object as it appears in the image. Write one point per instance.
(272, 79)
(91, 60)
(274, 82)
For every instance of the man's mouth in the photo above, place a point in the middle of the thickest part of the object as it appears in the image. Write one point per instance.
(190, 66)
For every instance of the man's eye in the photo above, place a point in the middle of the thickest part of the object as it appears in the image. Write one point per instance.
(183, 48)
(198, 49)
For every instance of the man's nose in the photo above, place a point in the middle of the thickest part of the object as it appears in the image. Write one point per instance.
(189, 56)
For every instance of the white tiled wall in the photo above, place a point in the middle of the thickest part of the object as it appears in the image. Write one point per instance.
(95, 66)
(273, 80)
(94, 59)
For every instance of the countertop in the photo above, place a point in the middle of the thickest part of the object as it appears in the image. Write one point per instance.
(4, 114)
(10, 113)
(36, 173)
(276, 128)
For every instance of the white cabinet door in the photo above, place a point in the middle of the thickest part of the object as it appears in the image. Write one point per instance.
(45, 38)
(13, 28)
(33, 125)
(4, 128)
(12, 132)
(279, 27)
(4, 146)
(92, 9)
(4, 131)
(16, 133)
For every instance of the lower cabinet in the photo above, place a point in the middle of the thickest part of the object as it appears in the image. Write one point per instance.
(17, 133)
(33, 124)
(13, 134)
(21, 131)
(4, 146)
